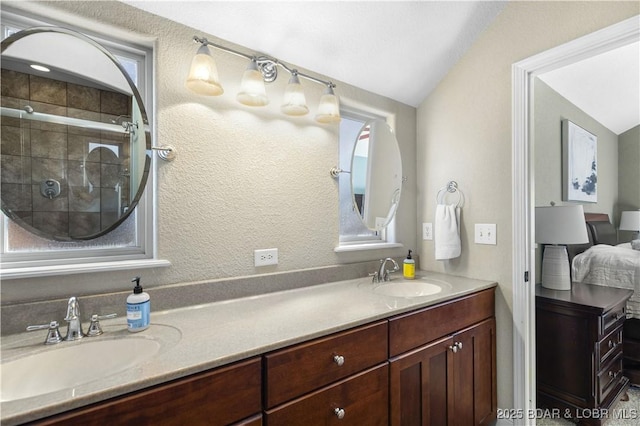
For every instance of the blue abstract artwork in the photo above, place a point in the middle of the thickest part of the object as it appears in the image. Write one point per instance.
(580, 171)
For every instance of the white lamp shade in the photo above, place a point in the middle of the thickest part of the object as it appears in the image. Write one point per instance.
(630, 221)
(203, 75)
(252, 90)
(561, 225)
(294, 102)
(329, 108)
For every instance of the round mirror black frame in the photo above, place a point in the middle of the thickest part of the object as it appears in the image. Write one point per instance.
(145, 129)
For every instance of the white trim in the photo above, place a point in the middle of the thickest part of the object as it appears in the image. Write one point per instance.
(366, 246)
(46, 271)
(523, 322)
(523, 74)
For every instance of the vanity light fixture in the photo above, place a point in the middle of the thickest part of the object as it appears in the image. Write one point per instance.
(203, 80)
(252, 90)
(329, 108)
(203, 75)
(294, 102)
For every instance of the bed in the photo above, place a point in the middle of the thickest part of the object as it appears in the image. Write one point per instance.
(606, 261)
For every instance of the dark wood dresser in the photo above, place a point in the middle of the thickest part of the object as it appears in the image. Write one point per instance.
(579, 350)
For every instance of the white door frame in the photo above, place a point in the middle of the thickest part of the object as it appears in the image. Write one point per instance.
(523, 191)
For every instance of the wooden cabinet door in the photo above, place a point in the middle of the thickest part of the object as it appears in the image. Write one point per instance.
(451, 382)
(474, 375)
(419, 385)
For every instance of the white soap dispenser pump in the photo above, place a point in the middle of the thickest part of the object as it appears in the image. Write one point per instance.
(138, 308)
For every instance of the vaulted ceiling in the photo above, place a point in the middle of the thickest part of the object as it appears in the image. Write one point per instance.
(398, 49)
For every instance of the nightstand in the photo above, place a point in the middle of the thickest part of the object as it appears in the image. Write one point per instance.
(579, 350)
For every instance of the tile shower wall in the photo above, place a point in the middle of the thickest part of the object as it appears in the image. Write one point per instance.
(91, 166)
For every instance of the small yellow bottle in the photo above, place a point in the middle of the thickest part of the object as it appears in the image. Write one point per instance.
(409, 268)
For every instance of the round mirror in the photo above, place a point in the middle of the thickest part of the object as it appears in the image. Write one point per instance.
(76, 145)
(376, 174)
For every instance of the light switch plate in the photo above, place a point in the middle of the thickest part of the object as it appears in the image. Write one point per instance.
(485, 233)
(427, 231)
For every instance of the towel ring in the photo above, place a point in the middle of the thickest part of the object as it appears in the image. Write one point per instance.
(451, 187)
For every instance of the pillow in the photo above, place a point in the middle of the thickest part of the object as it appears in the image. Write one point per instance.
(635, 244)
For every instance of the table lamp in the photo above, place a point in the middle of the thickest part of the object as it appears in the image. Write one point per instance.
(559, 225)
(630, 221)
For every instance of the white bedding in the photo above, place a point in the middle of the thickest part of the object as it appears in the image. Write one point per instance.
(613, 267)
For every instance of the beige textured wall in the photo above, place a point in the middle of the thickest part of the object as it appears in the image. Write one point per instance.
(244, 178)
(464, 134)
(629, 169)
(259, 166)
(550, 108)
(629, 176)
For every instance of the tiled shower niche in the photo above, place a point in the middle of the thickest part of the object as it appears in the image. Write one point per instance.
(91, 166)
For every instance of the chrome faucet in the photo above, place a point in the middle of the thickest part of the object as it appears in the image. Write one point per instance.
(74, 328)
(383, 274)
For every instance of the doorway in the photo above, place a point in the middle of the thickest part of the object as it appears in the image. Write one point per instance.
(524, 279)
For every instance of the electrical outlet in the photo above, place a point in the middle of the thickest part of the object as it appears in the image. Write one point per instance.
(485, 233)
(427, 231)
(265, 257)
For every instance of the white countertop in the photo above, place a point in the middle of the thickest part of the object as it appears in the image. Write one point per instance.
(198, 338)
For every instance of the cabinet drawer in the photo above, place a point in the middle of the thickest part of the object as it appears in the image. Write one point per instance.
(362, 399)
(610, 346)
(302, 368)
(218, 397)
(609, 377)
(415, 329)
(612, 319)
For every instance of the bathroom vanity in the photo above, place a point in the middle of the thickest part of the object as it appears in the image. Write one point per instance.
(332, 352)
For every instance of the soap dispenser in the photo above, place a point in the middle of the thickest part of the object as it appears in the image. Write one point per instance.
(138, 308)
(409, 268)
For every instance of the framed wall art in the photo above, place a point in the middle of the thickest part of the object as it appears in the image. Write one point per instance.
(580, 164)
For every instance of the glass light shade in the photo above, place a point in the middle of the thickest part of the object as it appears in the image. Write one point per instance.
(630, 221)
(294, 102)
(329, 108)
(561, 225)
(203, 75)
(252, 90)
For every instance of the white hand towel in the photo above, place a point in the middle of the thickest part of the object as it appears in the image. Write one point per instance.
(447, 232)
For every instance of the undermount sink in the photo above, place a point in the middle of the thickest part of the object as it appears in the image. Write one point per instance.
(72, 364)
(420, 287)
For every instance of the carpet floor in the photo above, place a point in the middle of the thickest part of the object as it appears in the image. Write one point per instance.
(624, 413)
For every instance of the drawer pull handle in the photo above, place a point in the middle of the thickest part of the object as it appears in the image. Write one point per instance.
(455, 347)
(613, 375)
(612, 344)
(339, 360)
(339, 412)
